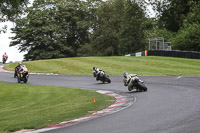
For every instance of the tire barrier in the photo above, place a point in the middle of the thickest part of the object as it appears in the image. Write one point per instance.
(172, 53)
(175, 53)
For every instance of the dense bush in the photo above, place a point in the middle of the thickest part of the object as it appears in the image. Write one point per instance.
(188, 38)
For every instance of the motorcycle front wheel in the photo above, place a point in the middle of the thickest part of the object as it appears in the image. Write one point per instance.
(18, 79)
(108, 80)
(26, 78)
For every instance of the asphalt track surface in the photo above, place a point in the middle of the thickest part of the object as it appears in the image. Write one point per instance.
(171, 104)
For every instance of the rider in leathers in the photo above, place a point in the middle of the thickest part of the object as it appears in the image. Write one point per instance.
(96, 72)
(17, 68)
(5, 56)
(128, 80)
(22, 69)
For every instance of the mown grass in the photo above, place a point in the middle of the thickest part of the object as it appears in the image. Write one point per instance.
(116, 65)
(29, 106)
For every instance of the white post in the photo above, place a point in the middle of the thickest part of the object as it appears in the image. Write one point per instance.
(156, 44)
(163, 43)
(149, 44)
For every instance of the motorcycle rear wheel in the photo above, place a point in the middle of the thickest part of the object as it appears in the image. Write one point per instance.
(141, 86)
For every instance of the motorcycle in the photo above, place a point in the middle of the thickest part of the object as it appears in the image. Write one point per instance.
(134, 82)
(22, 75)
(103, 77)
(4, 60)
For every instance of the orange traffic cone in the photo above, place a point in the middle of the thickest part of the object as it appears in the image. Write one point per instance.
(93, 100)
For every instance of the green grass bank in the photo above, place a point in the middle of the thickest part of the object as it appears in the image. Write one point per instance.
(29, 106)
(116, 65)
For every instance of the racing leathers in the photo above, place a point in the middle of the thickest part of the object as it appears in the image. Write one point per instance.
(22, 69)
(97, 73)
(5, 57)
(128, 80)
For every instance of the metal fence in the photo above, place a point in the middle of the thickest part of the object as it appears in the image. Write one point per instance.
(158, 43)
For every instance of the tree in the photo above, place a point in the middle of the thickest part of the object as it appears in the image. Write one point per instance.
(104, 38)
(10, 10)
(188, 38)
(90, 7)
(193, 15)
(113, 29)
(63, 28)
(171, 13)
(177, 22)
(52, 29)
(131, 35)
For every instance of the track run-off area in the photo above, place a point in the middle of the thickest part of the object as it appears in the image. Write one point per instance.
(171, 104)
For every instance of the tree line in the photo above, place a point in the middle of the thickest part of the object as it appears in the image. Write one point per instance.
(69, 28)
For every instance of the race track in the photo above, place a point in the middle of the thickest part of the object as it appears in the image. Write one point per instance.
(171, 104)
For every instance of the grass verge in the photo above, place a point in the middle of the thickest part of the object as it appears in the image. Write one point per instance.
(116, 65)
(29, 106)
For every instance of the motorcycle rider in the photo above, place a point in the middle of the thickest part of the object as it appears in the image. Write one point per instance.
(22, 69)
(5, 56)
(17, 68)
(97, 72)
(128, 80)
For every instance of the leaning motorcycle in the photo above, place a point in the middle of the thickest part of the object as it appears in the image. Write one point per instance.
(22, 76)
(134, 82)
(103, 77)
